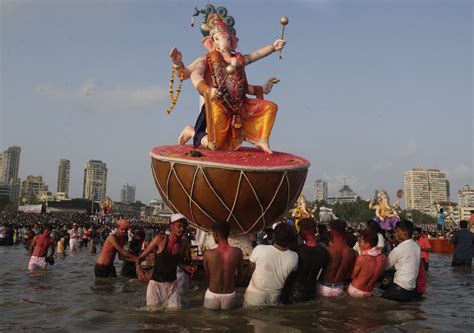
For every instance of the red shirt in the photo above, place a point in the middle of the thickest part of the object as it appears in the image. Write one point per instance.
(421, 280)
(424, 243)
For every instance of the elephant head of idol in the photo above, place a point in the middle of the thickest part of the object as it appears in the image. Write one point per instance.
(221, 37)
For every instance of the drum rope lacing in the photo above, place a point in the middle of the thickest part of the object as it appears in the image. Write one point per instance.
(230, 210)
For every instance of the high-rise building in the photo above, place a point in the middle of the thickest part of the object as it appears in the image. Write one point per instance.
(32, 188)
(127, 194)
(465, 201)
(9, 166)
(63, 177)
(424, 188)
(95, 180)
(321, 190)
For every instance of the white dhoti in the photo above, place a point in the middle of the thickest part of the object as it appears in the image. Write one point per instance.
(164, 295)
(215, 301)
(37, 263)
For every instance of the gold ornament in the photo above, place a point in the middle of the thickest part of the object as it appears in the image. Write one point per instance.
(174, 97)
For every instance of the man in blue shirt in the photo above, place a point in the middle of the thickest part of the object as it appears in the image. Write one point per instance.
(463, 241)
(440, 220)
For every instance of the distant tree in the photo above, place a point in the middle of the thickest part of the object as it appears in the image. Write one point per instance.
(10, 207)
(417, 217)
(3, 201)
(357, 211)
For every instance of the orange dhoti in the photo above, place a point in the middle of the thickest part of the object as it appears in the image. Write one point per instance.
(227, 130)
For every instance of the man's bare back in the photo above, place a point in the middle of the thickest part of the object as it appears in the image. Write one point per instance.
(367, 270)
(221, 264)
(340, 264)
(41, 244)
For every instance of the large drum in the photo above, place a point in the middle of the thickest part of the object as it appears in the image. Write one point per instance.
(247, 188)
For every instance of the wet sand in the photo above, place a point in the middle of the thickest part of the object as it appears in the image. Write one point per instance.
(68, 298)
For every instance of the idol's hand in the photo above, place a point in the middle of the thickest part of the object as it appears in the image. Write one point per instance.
(216, 93)
(267, 87)
(176, 56)
(279, 44)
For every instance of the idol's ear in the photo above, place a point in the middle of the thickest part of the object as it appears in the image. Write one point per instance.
(234, 42)
(208, 43)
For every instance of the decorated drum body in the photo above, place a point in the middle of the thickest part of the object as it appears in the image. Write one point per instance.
(247, 188)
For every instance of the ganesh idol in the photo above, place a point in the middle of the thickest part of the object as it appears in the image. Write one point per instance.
(228, 117)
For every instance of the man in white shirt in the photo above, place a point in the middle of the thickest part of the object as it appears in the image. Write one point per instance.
(74, 237)
(272, 264)
(405, 257)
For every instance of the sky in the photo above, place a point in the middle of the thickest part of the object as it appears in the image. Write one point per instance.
(368, 90)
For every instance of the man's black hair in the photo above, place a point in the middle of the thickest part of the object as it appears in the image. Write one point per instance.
(369, 237)
(373, 226)
(338, 226)
(221, 228)
(406, 226)
(463, 224)
(283, 234)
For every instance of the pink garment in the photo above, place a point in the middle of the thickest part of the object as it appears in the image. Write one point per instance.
(354, 292)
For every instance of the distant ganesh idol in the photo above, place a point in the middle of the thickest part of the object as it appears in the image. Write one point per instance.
(228, 116)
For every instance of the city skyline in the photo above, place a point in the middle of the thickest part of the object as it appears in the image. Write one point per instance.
(379, 89)
(317, 183)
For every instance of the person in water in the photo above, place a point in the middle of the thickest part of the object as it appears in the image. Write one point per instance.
(340, 264)
(312, 259)
(369, 266)
(272, 264)
(220, 265)
(170, 251)
(39, 250)
(104, 266)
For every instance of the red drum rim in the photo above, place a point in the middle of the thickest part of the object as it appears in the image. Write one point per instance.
(275, 162)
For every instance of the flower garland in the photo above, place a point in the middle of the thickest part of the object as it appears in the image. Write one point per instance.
(174, 97)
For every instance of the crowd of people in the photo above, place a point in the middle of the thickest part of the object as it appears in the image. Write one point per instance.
(285, 266)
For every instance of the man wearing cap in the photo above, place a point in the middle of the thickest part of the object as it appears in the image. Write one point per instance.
(170, 252)
(104, 266)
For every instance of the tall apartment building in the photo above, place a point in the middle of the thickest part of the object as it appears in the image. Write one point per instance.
(64, 171)
(32, 188)
(424, 187)
(321, 190)
(95, 180)
(465, 201)
(9, 166)
(127, 194)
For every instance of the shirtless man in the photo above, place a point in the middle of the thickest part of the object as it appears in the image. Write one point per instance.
(220, 265)
(104, 266)
(369, 266)
(170, 251)
(340, 264)
(39, 249)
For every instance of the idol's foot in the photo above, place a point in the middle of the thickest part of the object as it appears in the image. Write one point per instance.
(264, 146)
(187, 133)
